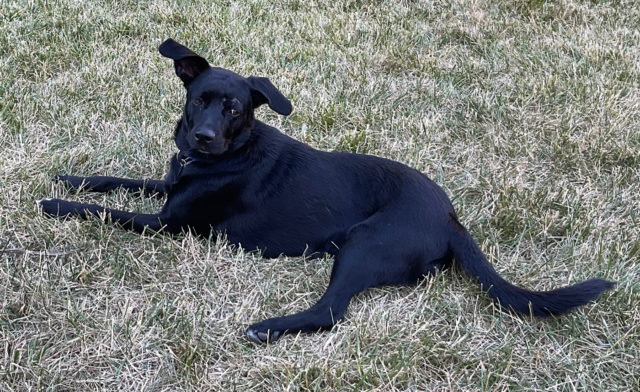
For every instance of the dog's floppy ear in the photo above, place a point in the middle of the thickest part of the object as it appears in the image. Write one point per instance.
(262, 91)
(188, 65)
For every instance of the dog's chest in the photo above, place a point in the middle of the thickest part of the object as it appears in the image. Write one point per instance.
(197, 197)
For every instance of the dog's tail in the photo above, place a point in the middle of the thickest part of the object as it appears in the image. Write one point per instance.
(539, 303)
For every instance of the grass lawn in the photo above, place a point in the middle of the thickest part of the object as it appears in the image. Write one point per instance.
(526, 112)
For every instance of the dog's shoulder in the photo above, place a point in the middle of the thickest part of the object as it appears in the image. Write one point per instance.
(272, 143)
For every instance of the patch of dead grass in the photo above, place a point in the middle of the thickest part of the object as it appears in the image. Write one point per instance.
(527, 112)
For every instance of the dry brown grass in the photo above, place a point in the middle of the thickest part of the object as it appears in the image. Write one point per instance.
(527, 112)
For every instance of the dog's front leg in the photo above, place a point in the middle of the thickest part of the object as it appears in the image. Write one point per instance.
(107, 184)
(128, 220)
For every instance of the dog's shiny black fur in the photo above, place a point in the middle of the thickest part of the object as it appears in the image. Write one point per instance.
(385, 223)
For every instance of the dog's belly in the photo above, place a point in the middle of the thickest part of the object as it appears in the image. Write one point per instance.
(292, 235)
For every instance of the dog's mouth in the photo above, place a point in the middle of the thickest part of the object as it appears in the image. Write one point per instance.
(210, 151)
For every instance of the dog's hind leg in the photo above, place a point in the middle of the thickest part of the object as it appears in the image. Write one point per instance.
(349, 276)
(376, 253)
(107, 184)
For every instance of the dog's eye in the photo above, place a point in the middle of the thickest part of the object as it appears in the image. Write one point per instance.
(197, 101)
(234, 112)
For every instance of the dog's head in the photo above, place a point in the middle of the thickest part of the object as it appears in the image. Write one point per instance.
(219, 109)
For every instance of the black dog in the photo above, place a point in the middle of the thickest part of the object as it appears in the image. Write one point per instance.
(385, 223)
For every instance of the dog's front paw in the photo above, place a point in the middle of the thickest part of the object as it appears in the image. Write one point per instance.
(60, 208)
(73, 182)
(262, 333)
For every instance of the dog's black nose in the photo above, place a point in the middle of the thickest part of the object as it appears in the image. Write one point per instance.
(205, 136)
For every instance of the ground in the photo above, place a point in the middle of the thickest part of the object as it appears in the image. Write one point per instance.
(526, 112)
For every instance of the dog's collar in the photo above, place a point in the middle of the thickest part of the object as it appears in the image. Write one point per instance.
(184, 159)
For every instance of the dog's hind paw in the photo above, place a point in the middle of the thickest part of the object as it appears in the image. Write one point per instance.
(262, 337)
(41, 201)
